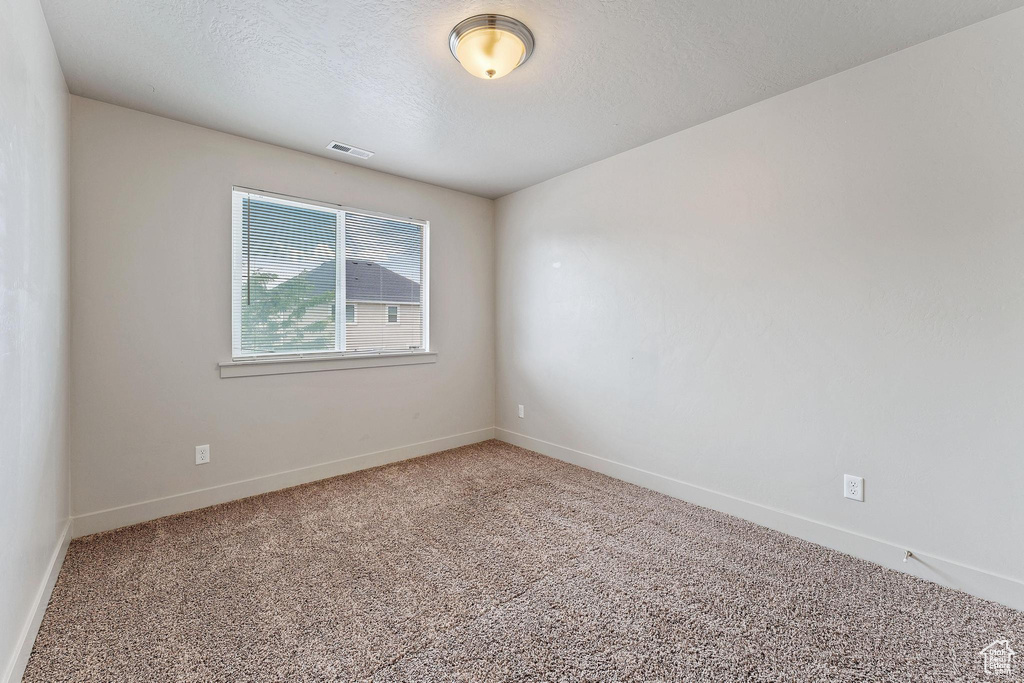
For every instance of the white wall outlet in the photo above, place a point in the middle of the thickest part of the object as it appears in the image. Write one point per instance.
(522, 411)
(853, 487)
(202, 454)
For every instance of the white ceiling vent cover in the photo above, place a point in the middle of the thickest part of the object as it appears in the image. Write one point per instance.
(350, 150)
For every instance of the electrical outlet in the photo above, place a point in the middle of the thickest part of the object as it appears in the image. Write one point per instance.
(202, 454)
(853, 487)
(522, 411)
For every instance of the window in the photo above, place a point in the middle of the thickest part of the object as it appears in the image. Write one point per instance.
(286, 279)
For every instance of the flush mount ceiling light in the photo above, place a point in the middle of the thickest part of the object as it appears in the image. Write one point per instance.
(490, 46)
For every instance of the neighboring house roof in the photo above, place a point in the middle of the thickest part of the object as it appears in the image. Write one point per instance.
(364, 281)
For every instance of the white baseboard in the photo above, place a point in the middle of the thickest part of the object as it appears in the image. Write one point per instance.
(971, 580)
(113, 518)
(16, 669)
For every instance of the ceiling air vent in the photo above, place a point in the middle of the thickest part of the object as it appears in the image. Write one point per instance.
(350, 150)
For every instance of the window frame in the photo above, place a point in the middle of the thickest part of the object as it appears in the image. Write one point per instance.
(387, 314)
(355, 313)
(330, 355)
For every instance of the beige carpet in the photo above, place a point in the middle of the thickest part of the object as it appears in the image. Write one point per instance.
(490, 562)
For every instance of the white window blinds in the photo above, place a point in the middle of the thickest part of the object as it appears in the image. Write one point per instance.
(289, 286)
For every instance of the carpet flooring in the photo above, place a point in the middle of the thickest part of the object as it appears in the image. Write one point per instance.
(491, 562)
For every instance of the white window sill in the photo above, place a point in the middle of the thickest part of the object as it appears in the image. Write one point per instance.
(284, 366)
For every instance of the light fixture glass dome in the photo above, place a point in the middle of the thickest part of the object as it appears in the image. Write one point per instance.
(490, 46)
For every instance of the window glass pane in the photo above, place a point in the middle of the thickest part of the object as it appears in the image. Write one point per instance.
(286, 286)
(384, 276)
(288, 280)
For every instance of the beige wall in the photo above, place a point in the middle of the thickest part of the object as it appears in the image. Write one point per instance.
(34, 333)
(827, 282)
(371, 331)
(371, 328)
(151, 307)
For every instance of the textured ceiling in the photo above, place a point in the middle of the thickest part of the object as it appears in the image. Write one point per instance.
(606, 75)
